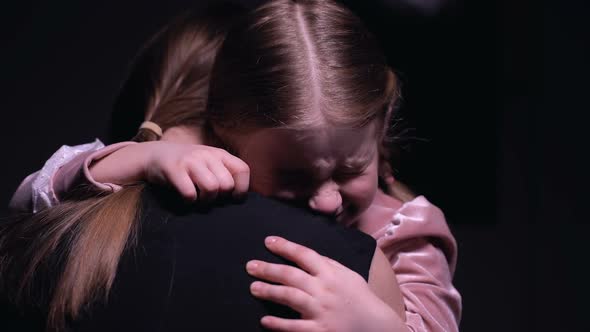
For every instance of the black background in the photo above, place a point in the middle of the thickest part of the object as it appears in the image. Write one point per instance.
(495, 94)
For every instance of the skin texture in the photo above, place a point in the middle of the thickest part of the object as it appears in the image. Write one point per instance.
(380, 282)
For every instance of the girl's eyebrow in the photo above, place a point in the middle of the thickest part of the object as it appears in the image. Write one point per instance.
(359, 161)
(356, 164)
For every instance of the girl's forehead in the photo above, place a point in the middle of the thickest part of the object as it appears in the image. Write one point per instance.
(321, 145)
(320, 134)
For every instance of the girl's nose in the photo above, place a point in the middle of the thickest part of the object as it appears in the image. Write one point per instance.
(327, 200)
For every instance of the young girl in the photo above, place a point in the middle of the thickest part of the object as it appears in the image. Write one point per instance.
(303, 96)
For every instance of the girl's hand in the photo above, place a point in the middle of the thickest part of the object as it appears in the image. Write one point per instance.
(328, 295)
(196, 171)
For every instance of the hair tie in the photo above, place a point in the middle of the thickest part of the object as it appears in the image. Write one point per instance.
(153, 127)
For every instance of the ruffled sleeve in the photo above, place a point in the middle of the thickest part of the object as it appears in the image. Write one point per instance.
(37, 192)
(67, 168)
(78, 171)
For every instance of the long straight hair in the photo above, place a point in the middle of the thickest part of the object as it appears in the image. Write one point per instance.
(65, 257)
(301, 63)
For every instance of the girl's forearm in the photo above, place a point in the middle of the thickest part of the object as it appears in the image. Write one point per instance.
(124, 166)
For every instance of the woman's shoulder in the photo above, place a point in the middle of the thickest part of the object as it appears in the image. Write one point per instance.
(167, 219)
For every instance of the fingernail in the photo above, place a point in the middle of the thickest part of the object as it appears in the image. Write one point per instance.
(266, 320)
(189, 198)
(251, 266)
(255, 288)
(270, 240)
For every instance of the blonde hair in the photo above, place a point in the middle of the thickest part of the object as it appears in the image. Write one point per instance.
(169, 83)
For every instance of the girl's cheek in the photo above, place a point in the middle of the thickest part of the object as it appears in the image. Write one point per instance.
(362, 191)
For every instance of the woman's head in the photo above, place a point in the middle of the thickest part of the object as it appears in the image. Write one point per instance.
(169, 80)
(168, 84)
(303, 73)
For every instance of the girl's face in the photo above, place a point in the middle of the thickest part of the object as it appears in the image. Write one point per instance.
(333, 171)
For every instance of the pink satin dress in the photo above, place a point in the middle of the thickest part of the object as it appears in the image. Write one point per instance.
(417, 241)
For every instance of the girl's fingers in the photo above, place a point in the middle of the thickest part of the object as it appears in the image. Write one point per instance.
(306, 258)
(224, 177)
(334, 263)
(205, 180)
(288, 325)
(240, 172)
(289, 296)
(282, 274)
(183, 184)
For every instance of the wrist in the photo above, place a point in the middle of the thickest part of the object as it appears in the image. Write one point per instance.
(146, 158)
(121, 166)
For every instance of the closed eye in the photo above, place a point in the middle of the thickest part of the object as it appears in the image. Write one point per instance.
(347, 174)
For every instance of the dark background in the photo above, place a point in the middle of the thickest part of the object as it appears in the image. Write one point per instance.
(494, 93)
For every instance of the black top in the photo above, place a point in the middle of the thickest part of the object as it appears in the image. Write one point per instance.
(187, 271)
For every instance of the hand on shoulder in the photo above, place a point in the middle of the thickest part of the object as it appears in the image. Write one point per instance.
(197, 172)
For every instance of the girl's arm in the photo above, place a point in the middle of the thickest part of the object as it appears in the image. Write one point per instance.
(423, 254)
(432, 302)
(184, 166)
(383, 282)
(196, 171)
(44, 188)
